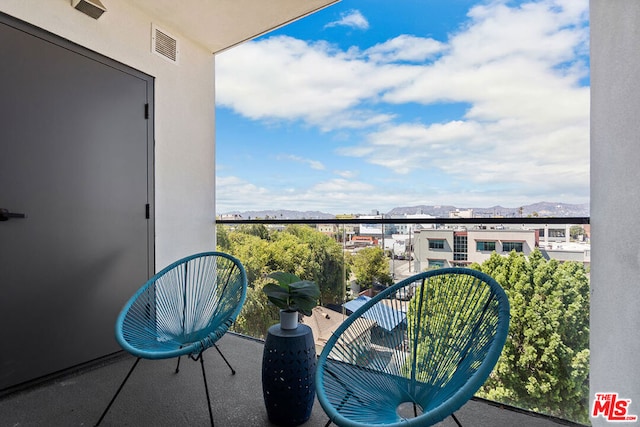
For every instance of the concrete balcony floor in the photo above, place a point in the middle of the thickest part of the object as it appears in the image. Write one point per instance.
(156, 396)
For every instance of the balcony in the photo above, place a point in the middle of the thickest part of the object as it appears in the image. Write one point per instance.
(545, 364)
(614, 105)
(155, 396)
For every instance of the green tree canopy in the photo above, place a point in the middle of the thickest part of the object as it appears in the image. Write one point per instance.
(258, 230)
(324, 263)
(370, 266)
(575, 231)
(298, 249)
(544, 364)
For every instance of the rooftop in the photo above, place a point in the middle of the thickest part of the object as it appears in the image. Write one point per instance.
(155, 396)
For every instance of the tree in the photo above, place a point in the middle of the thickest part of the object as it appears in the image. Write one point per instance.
(544, 364)
(222, 238)
(252, 253)
(258, 230)
(287, 252)
(257, 314)
(576, 231)
(326, 265)
(300, 250)
(370, 265)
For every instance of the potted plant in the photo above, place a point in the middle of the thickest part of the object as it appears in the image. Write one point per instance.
(292, 296)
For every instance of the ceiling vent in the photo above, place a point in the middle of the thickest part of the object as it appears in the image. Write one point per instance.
(164, 44)
(93, 8)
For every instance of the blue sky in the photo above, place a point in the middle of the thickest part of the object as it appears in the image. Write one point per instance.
(374, 104)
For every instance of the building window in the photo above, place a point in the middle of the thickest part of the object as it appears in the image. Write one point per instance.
(459, 248)
(485, 246)
(460, 244)
(512, 246)
(436, 244)
(556, 232)
(436, 263)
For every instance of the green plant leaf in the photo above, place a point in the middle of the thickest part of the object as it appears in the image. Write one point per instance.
(277, 295)
(284, 278)
(305, 295)
(305, 288)
(291, 293)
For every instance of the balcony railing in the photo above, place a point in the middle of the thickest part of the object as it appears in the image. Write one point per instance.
(543, 264)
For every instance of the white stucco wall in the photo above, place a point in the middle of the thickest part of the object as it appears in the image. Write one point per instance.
(615, 201)
(184, 112)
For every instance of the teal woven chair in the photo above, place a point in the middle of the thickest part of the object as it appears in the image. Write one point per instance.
(415, 353)
(182, 311)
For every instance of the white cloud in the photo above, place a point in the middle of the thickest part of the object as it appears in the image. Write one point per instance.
(346, 174)
(313, 164)
(231, 189)
(352, 19)
(349, 196)
(334, 195)
(525, 133)
(528, 121)
(296, 80)
(510, 63)
(340, 185)
(405, 48)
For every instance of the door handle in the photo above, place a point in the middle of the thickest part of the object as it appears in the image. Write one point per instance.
(5, 215)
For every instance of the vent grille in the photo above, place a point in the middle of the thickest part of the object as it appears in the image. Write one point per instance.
(165, 45)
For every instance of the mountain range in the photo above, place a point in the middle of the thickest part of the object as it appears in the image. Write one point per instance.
(542, 209)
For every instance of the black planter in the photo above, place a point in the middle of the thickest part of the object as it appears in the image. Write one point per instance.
(288, 375)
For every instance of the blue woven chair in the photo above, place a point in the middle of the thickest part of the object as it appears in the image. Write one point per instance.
(416, 352)
(182, 311)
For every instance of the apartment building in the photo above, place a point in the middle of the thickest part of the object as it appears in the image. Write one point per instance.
(460, 247)
(330, 230)
(448, 247)
(376, 230)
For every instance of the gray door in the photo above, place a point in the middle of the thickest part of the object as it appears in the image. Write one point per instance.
(76, 159)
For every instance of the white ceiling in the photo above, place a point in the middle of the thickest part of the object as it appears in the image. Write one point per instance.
(220, 24)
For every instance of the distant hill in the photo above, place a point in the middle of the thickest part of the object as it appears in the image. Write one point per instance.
(282, 214)
(543, 209)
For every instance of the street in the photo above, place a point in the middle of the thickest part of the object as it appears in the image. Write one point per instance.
(400, 269)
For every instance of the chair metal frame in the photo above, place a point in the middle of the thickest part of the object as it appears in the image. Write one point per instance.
(182, 311)
(451, 334)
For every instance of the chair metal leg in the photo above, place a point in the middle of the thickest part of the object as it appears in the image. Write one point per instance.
(113, 399)
(456, 420)
(206, 388)
(233, 371)
(204, 377)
